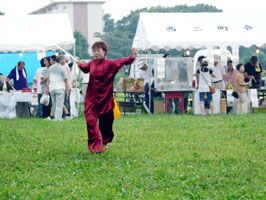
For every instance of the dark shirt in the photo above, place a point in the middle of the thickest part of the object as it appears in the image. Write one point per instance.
(22, 82)
(251, 71)
(204, 69)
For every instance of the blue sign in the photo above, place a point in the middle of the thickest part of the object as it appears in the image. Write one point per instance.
(9, 60)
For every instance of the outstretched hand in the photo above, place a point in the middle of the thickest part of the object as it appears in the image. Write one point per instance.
(134, 53)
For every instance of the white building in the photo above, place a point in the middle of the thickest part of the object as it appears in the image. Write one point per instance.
(85, 16)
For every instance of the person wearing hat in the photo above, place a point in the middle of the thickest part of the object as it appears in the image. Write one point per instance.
(219, 71)
(253, 72)
(146, 74)
(204, 75)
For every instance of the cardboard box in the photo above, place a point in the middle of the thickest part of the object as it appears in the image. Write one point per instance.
(132, 85)
(158, 107)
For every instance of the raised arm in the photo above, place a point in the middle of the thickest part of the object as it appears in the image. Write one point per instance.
(126, 61)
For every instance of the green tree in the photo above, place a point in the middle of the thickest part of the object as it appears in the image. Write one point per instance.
(82, 46)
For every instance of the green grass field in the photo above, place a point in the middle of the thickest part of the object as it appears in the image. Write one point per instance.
(151, 157)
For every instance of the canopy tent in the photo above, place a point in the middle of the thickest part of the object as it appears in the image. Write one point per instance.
(199, 30)
(32, 32)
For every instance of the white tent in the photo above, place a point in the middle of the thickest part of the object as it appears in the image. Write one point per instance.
(32, 32)
(199, 30)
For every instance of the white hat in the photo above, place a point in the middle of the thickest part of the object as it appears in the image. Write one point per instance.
(216, 58)
(141, 64)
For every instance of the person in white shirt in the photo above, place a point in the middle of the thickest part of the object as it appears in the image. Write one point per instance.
(39, 80)
(57, 85)
(67, 98)
(219, 71)
(146, 74)
(204, 75)
(85, 78)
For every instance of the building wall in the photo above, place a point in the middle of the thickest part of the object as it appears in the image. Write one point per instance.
(84, 17)
(95, 21)
(81, 19)
(63, 8)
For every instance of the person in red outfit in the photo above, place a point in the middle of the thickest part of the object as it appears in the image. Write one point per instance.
(99, 101)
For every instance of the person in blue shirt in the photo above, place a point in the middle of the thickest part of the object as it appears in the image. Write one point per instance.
(19, 76)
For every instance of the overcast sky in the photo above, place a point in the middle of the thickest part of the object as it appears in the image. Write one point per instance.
(120, 8)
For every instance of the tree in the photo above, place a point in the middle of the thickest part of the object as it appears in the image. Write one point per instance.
(82, 46)
(120, 35)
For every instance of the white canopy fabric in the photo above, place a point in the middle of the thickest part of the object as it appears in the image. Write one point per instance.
(199, 30)
(32, 32)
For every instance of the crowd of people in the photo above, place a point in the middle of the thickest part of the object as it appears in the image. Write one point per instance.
(218, 76)
(54, 79)
(248, 75)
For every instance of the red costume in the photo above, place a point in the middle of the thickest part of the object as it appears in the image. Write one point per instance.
(99, 101)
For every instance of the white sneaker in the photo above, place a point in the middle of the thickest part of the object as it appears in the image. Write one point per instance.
(69, 118)
(48, 118)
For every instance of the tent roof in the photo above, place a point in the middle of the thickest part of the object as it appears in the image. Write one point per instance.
(32, 32)
(199, 30)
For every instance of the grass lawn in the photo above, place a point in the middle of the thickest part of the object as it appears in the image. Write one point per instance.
(151, 157)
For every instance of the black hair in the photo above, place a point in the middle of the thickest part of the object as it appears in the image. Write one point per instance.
(21, 62)
(254, 59)
(238, 66)
(59, 58)
(229, 61)
(70, 64)
(42, 62)
(54, 57)
(166, 55)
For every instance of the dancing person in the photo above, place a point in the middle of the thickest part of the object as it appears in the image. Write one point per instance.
(99, 101)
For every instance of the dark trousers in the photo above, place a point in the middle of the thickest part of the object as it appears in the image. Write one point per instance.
(147, 100)
(39, 108)
(46, 110)
(99, 134)
(67, 104)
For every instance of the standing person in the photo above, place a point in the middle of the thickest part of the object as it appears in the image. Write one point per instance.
(253, 72)
(46, 110)
(240, 89)
(19, 76)
(85, 80)
(39, 80)
(218, 70)
(146, 74)
(57, 85)
(230, 74)
(67, 98)
(204, 75)
(99, 102)
(53, 59)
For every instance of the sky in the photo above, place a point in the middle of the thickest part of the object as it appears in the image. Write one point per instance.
(120, 8)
